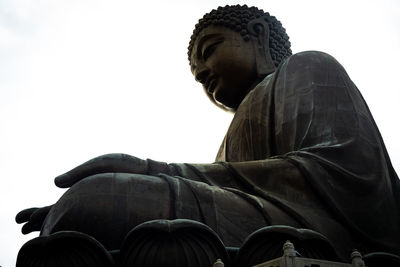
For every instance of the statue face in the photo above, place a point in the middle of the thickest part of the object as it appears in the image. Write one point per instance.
(225, 64)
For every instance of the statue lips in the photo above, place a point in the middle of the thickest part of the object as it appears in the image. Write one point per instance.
(210, 84)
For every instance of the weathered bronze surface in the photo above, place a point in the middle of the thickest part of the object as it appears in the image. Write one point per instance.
(302, 150)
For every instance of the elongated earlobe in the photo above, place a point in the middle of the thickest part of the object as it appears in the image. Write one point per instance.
(259, 33)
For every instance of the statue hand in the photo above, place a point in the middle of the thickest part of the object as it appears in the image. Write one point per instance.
(103, 164)
(34, 218)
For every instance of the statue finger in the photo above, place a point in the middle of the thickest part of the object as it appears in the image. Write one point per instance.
(102, 164)
(24, 215)
(30, 227)
(39, 215)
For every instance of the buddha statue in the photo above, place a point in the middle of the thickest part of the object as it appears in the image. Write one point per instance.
(302, 151)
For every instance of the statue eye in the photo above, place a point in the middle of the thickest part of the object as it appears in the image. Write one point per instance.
(210, 48)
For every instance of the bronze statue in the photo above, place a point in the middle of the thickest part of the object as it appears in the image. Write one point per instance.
(302, 150)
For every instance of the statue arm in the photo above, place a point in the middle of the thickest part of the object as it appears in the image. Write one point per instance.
(262, 173)
(277, 175)
(274, 173)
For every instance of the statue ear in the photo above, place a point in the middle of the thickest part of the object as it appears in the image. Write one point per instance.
(259, 33)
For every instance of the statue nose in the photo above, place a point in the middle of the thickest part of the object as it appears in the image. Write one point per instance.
(202, 74)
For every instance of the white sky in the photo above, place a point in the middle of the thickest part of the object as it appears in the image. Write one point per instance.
(81, 78)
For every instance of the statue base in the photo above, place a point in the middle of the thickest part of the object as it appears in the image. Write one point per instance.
(187, 243)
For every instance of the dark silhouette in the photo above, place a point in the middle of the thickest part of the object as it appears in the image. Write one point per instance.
(302, 151)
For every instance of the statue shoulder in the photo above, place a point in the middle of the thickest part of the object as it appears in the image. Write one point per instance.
(312, 59)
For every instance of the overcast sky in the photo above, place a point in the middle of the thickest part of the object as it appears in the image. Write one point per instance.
(81, 78)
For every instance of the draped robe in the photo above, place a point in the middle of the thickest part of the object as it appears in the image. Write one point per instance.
(311, 115)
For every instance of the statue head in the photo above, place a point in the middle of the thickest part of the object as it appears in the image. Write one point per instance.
(232, 49)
